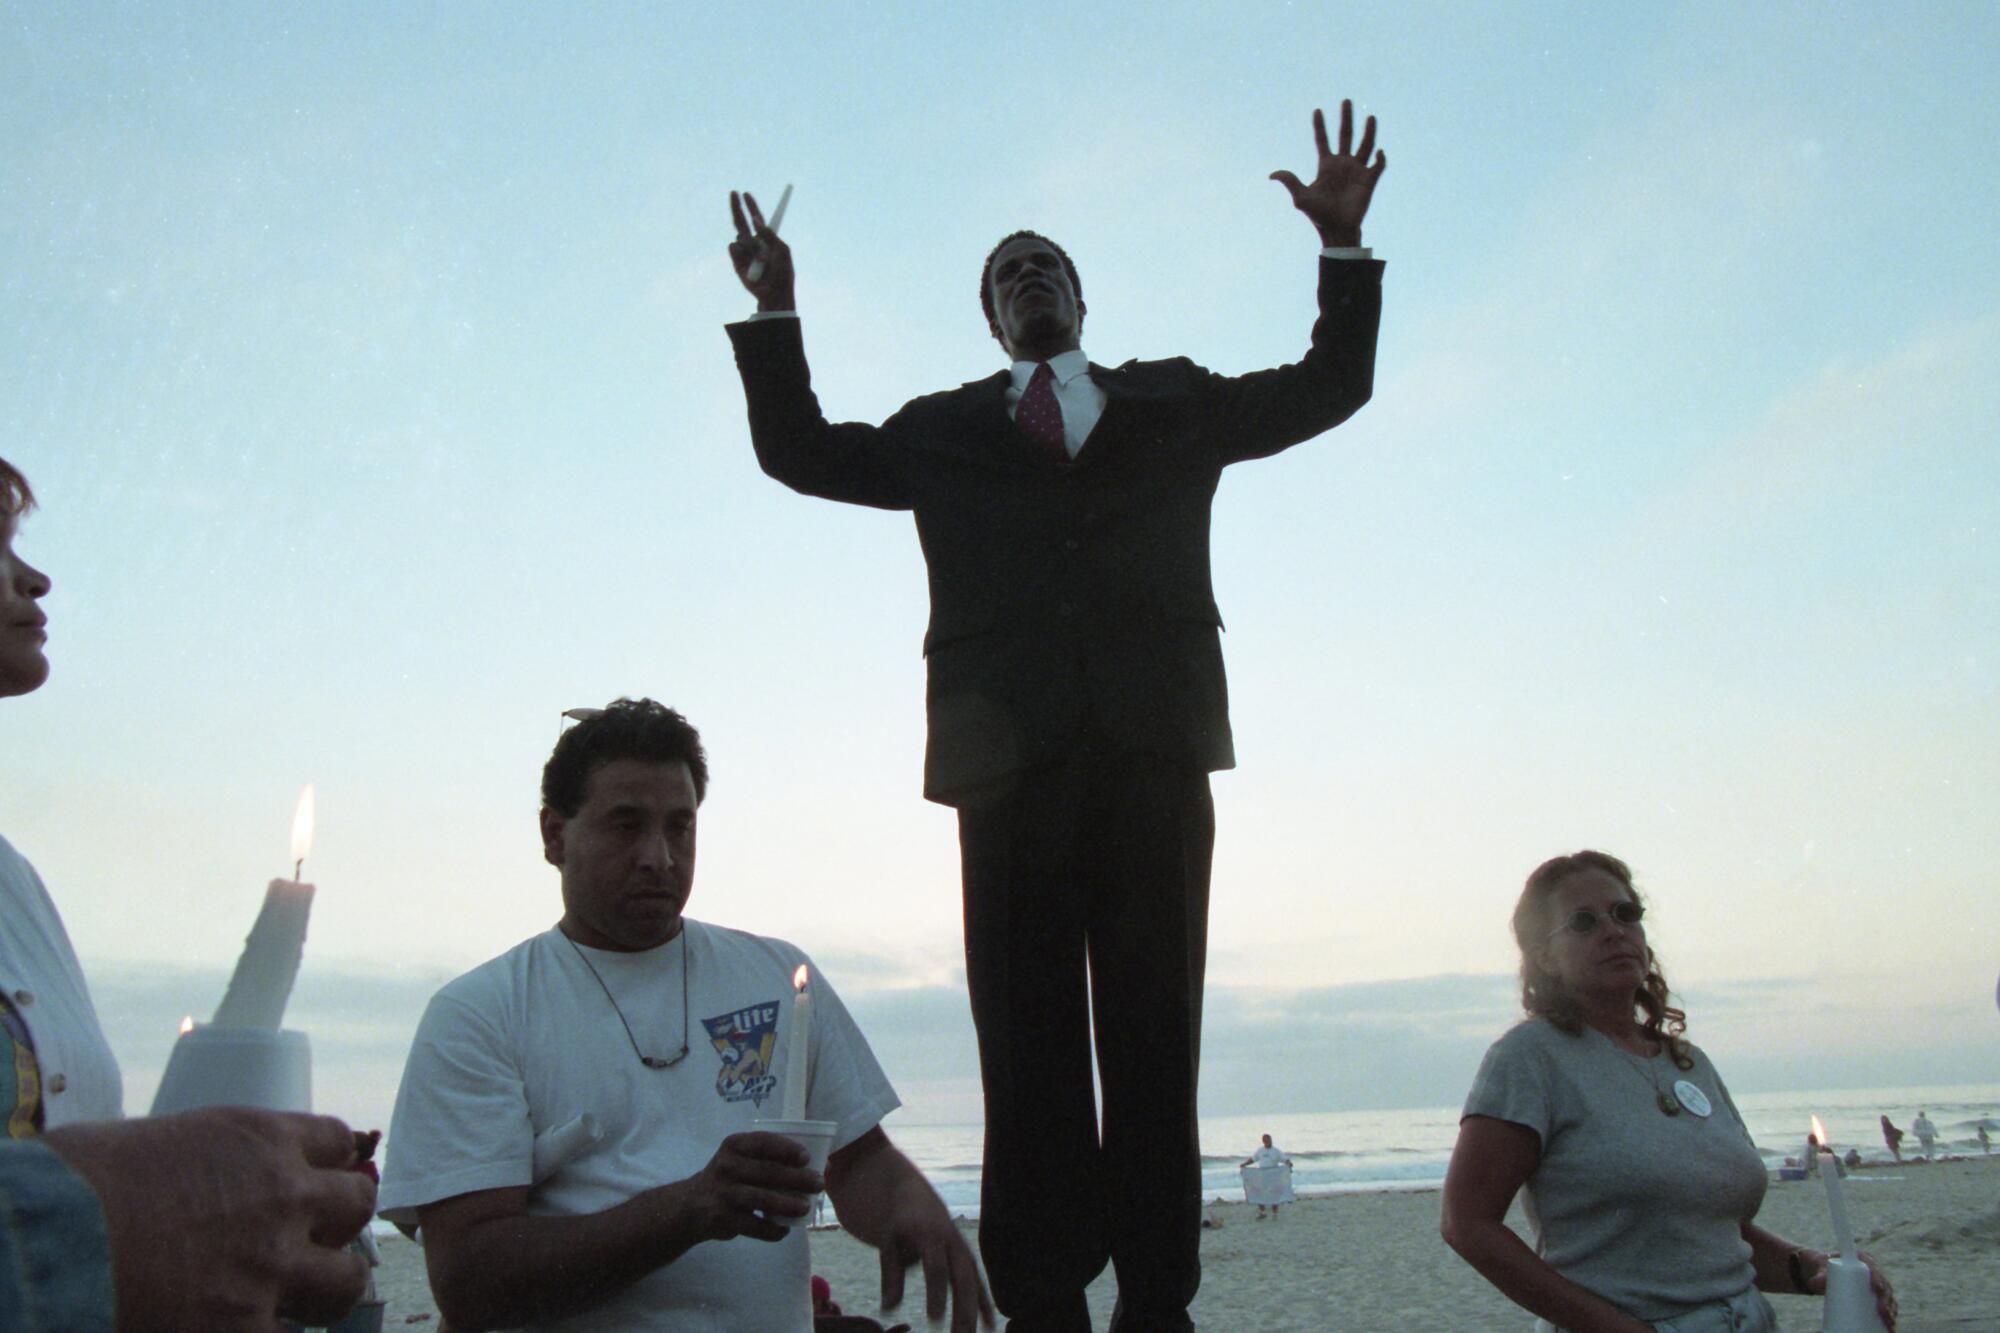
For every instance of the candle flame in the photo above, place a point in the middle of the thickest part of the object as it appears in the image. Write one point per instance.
(187, 1024)
(1819, 1131)
(799, 978)
(302, 828)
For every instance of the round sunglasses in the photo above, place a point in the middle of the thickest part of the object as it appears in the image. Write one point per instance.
(1583, 921)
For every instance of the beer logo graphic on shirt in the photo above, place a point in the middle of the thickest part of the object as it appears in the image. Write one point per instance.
(745, 1038)
(20, 1077)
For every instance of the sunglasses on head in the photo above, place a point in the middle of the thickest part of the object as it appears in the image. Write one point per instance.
(1583, 921)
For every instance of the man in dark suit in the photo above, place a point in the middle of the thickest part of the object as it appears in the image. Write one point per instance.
(1076, 707)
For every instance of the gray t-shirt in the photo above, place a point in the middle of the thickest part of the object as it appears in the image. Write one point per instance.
(1642, 1208)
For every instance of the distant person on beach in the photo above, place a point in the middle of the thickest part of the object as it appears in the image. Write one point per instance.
(663, 1029)
(1985, 1140)
(1643, 1183)
(1893, 1137)
(1269, 1155)
(1926, 1133)
(215, 1219)
(1076, 705)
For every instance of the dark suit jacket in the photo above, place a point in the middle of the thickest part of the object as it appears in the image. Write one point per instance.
(1066, 599)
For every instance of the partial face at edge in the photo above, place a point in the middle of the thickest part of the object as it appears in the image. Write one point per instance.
(1036, 313)
(23, 625)
(626, 856)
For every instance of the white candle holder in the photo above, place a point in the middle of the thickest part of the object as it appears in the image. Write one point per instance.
(269, 1068)
(1850, 1298)
(816, 1137)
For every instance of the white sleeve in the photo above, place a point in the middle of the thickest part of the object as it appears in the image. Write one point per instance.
(461, 1121)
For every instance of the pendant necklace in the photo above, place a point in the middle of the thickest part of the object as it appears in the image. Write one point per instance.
(1665, 1100)
(650, 1061)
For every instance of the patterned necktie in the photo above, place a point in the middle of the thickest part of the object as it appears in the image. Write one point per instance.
(1039, 415)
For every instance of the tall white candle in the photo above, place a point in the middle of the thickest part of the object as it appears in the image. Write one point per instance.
(261, 986)
(1836, 1202)
(798, 1063)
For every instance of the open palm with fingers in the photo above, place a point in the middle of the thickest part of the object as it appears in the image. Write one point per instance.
(1337, 199)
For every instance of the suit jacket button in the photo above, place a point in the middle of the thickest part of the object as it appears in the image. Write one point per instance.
(57, 1083)
(24, 998)
(1071, 544)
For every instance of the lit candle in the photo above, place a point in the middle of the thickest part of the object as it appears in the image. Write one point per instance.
(1850, 1292)
(1829, 1171)
(797, 1061)
(262, 983)
(757, 265)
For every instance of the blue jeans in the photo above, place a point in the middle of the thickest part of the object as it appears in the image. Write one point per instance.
(55, 1260)
(1745, 1312)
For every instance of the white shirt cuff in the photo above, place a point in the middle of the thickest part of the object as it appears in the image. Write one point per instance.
(772, 314)
(1346, 252)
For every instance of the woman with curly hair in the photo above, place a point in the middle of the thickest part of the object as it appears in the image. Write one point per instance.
(1641, 1178)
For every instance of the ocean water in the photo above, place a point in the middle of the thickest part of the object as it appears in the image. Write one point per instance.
(1336, 1152)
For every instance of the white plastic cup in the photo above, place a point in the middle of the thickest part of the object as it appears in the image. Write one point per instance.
(263, 1067)
(816, 1137)
(1850, 1299)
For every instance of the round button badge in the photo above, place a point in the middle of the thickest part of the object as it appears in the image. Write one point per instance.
(1693, 1098)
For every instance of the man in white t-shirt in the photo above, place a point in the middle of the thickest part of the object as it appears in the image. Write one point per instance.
(1262, 1158)
(663, 1031)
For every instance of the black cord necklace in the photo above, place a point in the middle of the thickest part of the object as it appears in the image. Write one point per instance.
(650, 1061)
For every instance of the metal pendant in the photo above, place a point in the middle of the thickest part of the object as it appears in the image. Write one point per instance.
(1669, 1105)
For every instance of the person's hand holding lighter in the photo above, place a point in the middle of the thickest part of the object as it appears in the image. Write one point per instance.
(777, 221)
(763, 262)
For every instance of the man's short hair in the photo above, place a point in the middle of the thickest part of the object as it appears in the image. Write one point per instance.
(986, 270)
(15, 496)
(629, 729)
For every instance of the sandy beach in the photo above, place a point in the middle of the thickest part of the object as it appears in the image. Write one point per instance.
(1374, 1261)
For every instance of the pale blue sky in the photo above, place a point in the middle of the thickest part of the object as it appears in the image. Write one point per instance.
(369, 362)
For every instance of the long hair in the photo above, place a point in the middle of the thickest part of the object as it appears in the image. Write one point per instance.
(1543, 994)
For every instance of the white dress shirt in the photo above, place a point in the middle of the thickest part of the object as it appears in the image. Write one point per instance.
(1079, 396)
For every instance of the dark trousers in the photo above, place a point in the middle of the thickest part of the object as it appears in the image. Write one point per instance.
(1086, 894)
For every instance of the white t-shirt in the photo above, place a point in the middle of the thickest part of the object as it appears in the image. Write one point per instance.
(528, 1042)
(43, 985)
(1268, 1156)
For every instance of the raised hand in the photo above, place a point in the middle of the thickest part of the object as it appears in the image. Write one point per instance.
(1337, 199)
(754, 241)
